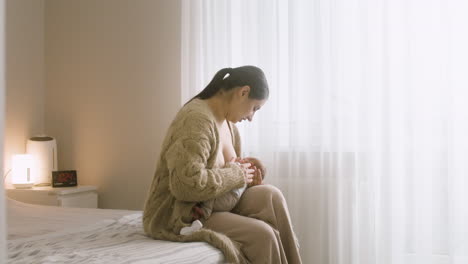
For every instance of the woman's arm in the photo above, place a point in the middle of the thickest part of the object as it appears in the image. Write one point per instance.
(190, 179)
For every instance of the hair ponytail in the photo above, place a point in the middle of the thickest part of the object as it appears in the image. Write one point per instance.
(245, 75)
(215, 85)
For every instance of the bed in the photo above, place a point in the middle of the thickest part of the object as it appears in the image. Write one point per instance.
(48, 234)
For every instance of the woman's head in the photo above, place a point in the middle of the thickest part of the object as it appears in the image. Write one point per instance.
(229, 78)
(245, 88)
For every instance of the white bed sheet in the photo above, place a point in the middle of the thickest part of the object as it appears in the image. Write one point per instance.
(48, 234)
(27, 220)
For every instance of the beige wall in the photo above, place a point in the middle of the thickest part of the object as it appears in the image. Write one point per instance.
(24, 75)
(113, 87)
(3, 230)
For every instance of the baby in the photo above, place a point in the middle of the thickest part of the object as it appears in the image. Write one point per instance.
(225, 202)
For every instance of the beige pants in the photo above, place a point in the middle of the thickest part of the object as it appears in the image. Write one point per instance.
(261, 224)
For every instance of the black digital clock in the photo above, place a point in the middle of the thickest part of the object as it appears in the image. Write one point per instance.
(64, 178)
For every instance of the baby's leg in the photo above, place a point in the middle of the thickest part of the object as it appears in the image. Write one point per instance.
(198, 212)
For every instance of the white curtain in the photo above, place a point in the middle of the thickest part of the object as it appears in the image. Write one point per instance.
(366, 127)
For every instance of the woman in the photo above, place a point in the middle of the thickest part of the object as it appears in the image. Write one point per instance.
(200, 162)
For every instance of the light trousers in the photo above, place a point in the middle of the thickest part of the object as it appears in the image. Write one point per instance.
(260, 222)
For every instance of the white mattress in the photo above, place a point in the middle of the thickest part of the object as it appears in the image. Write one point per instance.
(48, 234)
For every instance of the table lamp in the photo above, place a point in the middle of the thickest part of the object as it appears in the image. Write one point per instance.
(21, 171)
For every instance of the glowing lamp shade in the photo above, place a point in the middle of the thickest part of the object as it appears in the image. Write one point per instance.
(21, 171)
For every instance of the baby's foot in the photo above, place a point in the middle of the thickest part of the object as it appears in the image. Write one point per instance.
(196, 225)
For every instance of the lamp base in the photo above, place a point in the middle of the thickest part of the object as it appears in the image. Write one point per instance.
(42, 184)
(23, 185)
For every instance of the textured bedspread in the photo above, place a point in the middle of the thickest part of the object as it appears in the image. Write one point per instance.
(109, 241)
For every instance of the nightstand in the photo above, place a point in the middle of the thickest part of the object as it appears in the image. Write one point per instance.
(80, 196)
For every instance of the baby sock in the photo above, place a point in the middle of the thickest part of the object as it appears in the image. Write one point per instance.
(196, 225)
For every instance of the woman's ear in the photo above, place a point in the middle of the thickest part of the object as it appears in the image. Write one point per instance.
(245, 90)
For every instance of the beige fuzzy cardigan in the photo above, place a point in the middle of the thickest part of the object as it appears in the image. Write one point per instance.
(186, 174)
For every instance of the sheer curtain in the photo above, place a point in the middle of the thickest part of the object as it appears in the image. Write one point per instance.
(366, 127)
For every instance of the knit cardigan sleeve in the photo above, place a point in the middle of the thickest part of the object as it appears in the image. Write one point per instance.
(194, 143)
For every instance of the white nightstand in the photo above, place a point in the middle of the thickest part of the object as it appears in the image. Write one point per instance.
(80, 196)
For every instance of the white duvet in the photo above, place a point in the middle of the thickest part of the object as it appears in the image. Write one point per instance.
(46, 234)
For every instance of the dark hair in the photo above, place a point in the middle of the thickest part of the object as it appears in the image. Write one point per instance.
(240, 76)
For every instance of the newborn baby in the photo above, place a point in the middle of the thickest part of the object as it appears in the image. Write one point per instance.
(225, 202)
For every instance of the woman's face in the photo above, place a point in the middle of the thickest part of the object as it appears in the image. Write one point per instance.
(242, 107)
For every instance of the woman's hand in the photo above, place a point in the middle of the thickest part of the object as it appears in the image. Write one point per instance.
(257, 174)
(246, 167)
(258, 178)
(258, 164)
